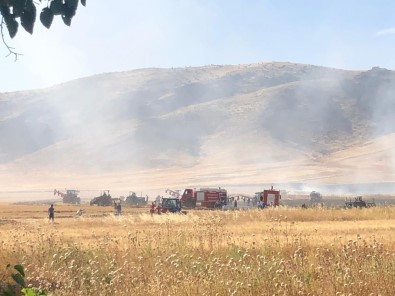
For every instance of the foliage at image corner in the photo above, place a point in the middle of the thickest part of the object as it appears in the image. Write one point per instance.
(26, 12)
(19, 288)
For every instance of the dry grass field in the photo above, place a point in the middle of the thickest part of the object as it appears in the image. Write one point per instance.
(282, 251)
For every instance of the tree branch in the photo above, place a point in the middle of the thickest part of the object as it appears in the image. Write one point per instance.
(10, 49)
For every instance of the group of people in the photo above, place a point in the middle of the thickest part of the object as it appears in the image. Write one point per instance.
(51, 212)
(260, 204)
(155, 208)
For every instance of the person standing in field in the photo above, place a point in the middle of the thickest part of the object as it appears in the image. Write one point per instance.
(152, 210)
(115, 208)
(51, 214)
(119, 208)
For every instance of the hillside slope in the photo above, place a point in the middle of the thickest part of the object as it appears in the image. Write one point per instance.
(240, 125)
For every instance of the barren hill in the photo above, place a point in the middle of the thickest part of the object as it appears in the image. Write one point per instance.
(236, 125)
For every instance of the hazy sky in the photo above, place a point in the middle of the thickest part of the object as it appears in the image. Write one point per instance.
(108, 36)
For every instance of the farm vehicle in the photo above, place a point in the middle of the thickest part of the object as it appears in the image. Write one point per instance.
(358, 202)
(204, 197)
(70, 197)
(133, 200)
(102, 200)
(268, 197)
(167, 205)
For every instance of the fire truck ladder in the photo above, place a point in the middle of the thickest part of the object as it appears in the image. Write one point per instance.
(173, 193)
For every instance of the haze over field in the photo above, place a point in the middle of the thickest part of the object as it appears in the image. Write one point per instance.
(106, 112)
(322, 121)
(238, 126)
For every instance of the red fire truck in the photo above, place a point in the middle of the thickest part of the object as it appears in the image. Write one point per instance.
(204, 197)
(270, 197)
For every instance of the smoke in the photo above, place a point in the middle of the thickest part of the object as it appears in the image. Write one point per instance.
(297, 127)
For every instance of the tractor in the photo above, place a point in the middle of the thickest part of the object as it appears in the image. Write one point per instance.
(133, 200)
(358, 202)
(168, 205)
(171, 205)
(70, 197)
(102, 200)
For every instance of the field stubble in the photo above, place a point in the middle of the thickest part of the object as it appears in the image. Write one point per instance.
(285, 251)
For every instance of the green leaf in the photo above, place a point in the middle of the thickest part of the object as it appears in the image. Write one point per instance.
(46, 17)
(83, 2)
(9, 19)
(69, 11)
(5, 10)
(66, 20)
(12, 26)
(19, 268)
(18, 7)
(18, 278)
(29, 6)
(28, 16)
(28, 292)
(72, 4)
(57, 7)
(32, 292)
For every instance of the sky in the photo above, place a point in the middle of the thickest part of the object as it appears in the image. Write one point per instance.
(111, 36)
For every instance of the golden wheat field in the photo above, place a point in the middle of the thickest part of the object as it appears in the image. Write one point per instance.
(281, 251)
